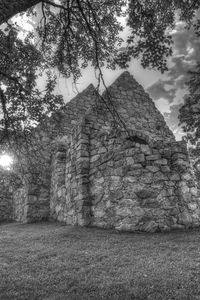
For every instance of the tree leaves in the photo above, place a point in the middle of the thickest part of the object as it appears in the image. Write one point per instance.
(23, 104)
(190, 111)
(81, 33)
(74, 34)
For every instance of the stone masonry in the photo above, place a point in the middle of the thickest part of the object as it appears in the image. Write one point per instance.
(132, 176)
(6, 201)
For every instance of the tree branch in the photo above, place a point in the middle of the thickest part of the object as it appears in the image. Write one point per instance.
(58, 5)
(10, 8)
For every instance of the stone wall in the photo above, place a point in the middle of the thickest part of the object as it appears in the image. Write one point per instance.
(141, 187)
(6, 201)
(69, 200)
(20, 207)
(32, 203)
(9, 183)
(109, 180)
(137, 179)
(128, 175)
(136, 108)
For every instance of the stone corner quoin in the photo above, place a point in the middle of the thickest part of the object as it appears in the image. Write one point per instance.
(133, 178)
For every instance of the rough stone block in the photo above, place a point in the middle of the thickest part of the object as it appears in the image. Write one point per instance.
(175, 177)
(116, 195)
(129, 160)
(194, 191)
(147, 178)
(130, 152)
(181, 163)
(32, 199)
(99, 181)
(179, 156)
(165, 169)
(147, 192)
(153, 157)
(192, 206)
(130, 179)
(125, 227)
(150, 203)
(115, 178)
(152, 169)
(145, 149)
(159, 176)
(174, 211)
(150, 226)
(139, 158)
(162, 162)
(177, 226)
(185, 218)
(98, 213)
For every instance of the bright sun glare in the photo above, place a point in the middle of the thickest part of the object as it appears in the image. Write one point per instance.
(6, 161)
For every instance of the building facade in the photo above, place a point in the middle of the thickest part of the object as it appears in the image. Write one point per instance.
(109, 161)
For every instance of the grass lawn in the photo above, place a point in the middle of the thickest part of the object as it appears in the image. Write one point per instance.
(52, 261)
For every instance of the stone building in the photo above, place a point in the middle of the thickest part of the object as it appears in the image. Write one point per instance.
(128, 175)
(6, 201)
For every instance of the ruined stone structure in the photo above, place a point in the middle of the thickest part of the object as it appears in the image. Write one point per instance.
(6, 202)
(134, 177)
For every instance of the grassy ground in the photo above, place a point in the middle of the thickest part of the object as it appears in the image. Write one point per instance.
(51, 261)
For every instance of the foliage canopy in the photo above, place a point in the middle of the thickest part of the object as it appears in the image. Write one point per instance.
(70, 35)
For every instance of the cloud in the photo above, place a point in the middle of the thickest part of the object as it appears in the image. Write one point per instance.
(185, 55)
(172, 86)
(159, 90)
(172, 120)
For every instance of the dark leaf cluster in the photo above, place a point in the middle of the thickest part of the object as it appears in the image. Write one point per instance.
(190, 111)
(23, 104)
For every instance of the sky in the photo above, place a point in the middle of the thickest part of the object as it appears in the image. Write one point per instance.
(167, 91)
